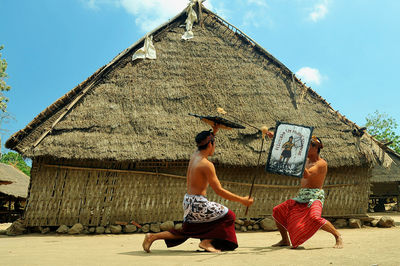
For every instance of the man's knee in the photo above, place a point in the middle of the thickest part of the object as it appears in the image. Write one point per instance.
(275, 210)
(315, 216)
(231, 215)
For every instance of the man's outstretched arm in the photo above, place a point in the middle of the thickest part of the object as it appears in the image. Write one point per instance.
(220, 191)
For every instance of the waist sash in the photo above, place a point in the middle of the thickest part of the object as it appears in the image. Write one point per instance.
(309, 195)
(197, 209)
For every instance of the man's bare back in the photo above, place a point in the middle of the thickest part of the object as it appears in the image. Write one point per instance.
(197, 182)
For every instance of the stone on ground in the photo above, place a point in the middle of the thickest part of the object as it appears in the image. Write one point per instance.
(75, 229)
(63, 229)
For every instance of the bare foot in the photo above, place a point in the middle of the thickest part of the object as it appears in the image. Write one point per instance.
(148, 240)
(206, 245)
(339, 242)
(282, 243)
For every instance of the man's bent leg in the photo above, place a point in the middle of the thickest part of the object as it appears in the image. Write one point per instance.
(280, 214)
(285, 239)
(150, 238)
(328, 227)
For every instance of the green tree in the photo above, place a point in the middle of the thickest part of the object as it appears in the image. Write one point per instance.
(383, 128)
(17, 160)
(3, 84)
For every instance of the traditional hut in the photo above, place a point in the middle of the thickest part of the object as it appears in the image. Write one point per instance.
(13, 192)
(116, 146)
(385, 183)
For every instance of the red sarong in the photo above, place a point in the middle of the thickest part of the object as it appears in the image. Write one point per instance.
(221, 231)
(301, 221)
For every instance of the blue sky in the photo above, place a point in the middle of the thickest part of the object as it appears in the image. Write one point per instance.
(346, 50)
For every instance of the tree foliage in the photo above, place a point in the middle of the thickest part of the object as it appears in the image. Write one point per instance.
(3, 84)
(383, 128)
(16, 160)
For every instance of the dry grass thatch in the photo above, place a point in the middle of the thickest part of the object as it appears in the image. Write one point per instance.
(20, 181)
(382, 174)
(135, 111)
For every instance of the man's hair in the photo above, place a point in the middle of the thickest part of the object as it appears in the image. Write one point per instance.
(201, 139)
(318, 142)
(321, 146)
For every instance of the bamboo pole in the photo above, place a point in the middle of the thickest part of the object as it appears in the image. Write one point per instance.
(183, 177)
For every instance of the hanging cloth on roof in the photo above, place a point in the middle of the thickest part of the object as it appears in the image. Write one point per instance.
(191, 18)
(147, 51)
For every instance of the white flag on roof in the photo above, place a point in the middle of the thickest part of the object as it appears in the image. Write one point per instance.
(191, 18)
(147, 51)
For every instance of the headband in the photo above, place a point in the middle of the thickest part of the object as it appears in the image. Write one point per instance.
(315, 140)
(206, 140)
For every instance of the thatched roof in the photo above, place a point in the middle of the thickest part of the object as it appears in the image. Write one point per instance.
(139, 110)
(387, 174)
(19, 181)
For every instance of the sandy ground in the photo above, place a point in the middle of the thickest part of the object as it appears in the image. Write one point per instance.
(366, 246)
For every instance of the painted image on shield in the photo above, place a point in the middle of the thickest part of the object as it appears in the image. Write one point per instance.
(288, 152)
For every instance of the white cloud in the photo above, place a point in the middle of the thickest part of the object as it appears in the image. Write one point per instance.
(148, 14)
(95, 4)
(250, 19)
(92, 4)
(218, 8)
(151, 13)
(257, 2)
(309, 75)
(319, 11)
(251, 13)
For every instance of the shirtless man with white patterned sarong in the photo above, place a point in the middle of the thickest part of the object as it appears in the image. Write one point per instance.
(211, 222)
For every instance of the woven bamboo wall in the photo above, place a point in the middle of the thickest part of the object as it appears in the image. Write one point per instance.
(94, 197)
(347, 190)
(67, 195)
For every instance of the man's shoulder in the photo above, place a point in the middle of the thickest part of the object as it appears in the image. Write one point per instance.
(322, 163)
(205, 163)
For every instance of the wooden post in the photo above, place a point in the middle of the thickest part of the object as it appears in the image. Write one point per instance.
(200, 14)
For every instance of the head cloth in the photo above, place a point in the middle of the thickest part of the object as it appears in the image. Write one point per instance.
(206, 140)
(317, 141)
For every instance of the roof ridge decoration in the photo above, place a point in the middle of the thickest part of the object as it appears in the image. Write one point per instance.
(191, 18)
(147, 51)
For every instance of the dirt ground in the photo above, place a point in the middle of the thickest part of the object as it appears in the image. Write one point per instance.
(366, 246)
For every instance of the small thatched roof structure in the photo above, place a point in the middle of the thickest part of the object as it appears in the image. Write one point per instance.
(19, 181)
(138, 111)
(382, 174)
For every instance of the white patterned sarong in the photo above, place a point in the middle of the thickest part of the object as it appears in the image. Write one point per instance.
(197, 209)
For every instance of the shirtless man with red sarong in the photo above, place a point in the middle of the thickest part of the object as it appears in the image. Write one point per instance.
(211, 222)
(301, 216)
